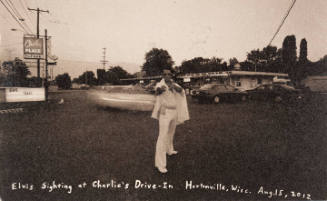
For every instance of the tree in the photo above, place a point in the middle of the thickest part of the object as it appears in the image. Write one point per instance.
(156, 60)
(289, 56)
(247, 66)
(101, 74)
(232, 62)
(254, 57)
(194, 65)
(34, 81)
(63, 81)
(303, 63)
(114, 74)
(266, 60)
(17, 72)
(303, 52)
(88, 78)
(199, 65)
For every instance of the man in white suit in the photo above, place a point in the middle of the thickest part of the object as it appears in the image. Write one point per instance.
(170, 109)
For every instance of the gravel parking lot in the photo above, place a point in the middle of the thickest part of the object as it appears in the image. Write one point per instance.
(77, 151)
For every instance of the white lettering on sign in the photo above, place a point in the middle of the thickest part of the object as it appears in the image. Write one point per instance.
(13, 89)
(31, 51)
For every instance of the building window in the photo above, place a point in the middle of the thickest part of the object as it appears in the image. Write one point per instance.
(237, 83)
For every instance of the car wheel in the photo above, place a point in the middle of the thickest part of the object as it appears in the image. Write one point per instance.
(216, 99)
(278, 99)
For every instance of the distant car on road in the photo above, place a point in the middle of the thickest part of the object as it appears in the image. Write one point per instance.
(275, 92)
(127, 97)
(217, 93)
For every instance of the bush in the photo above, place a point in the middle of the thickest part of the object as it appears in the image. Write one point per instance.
(64, 81)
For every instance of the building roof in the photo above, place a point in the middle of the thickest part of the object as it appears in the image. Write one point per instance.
(216, 74)
(251, 73)
(231, 73)
(142, 78)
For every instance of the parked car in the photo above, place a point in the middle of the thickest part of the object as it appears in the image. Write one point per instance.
(217, 93)
(275, 92)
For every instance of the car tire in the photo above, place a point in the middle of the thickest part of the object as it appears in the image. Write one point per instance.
(216, 99)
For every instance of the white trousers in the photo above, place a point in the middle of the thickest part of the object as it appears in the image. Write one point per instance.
(167, 127)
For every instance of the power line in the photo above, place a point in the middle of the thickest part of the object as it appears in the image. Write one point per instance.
(281, 24)
(14, 17)
(15, 12)
(18, 15)
(11, 5)
(24, 6)
(8, 21)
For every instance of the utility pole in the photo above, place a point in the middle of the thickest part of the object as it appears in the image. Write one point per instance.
(85, 76)
(38, 32)
(46, 65)
(104, 61)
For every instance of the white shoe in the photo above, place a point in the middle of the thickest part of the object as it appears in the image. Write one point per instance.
(61, 101)
(172, 153)
(162, 170)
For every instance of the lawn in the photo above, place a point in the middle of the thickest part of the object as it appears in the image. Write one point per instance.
(244, 151)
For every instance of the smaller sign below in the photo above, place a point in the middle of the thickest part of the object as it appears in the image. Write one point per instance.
(32, 56)
(24, 94)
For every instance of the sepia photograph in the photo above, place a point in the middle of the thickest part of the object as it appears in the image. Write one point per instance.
(157, 100)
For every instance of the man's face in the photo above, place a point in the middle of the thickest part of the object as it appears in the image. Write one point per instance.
(167, 76)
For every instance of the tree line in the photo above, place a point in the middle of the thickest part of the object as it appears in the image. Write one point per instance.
(112, 76)
(15, 73)
(267, 59)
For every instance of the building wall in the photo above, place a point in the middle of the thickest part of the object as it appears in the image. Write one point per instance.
(249, 82)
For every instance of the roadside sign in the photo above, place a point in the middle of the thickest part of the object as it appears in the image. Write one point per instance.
(24, 94)
(187, 79)
(33, 47)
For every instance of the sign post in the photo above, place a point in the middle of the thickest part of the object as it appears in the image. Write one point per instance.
(46, 64)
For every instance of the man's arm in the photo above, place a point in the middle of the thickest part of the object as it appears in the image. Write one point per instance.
(177, 88)
(159, 90)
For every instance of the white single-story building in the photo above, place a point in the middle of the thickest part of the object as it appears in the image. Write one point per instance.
(243, 80)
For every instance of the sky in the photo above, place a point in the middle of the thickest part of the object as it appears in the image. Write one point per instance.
(185, 28)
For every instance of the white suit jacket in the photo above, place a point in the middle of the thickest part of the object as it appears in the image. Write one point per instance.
(181, 107)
